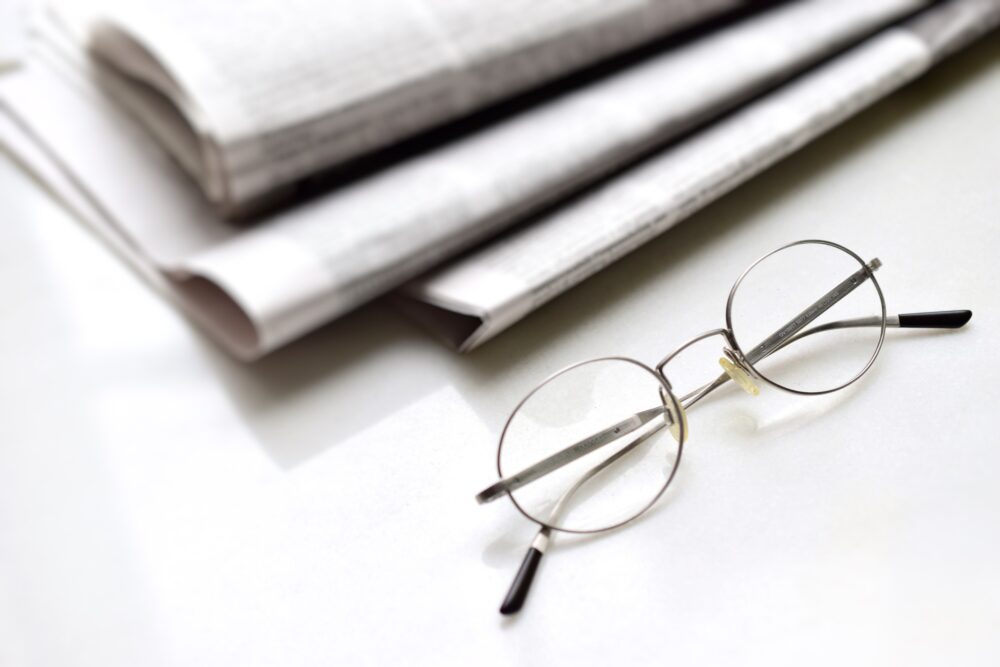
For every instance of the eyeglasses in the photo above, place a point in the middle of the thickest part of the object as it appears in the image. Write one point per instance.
(595, 445)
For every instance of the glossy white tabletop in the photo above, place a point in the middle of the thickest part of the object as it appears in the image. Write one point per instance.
(162, 504)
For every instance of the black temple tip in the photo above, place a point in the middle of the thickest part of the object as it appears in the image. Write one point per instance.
(491, 493)
(944, 319)
(522, 582)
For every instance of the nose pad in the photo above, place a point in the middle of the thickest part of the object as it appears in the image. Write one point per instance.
(678, 417)
(739, 376)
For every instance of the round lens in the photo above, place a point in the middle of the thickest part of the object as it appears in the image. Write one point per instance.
(808, 317)
(593, 446)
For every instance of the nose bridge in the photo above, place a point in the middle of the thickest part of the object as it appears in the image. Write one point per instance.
(724, 333)
(731, 363)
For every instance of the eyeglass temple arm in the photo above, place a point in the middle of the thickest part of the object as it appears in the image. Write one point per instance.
(825, 303)
(572, 453)
(942, 319)
(519, 588)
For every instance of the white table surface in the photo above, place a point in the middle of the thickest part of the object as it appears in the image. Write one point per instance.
(162, 504)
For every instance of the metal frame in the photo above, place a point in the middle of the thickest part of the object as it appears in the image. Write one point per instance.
(744, 362)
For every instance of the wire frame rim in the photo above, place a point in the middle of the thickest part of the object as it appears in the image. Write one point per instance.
(664, 385)
(778, 385)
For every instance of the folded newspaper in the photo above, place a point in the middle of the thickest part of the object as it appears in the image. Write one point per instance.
(639, 146)
(303, 84)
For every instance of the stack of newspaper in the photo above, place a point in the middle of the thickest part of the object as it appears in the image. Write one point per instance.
(273, 164)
